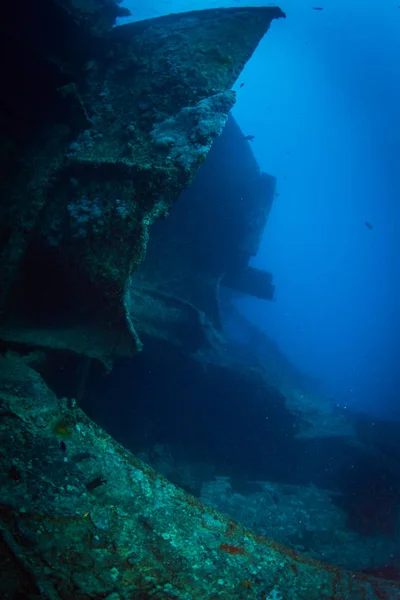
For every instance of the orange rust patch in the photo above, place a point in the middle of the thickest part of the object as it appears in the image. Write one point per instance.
(231, 549)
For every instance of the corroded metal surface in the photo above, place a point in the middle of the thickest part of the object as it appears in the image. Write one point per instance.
(83, 518)
(144, 109)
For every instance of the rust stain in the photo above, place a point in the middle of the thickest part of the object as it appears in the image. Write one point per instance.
(231, 549)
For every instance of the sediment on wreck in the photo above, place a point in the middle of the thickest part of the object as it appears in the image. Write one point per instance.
(81, 517)
(130, 124)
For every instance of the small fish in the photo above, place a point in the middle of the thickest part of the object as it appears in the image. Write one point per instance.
(95, 483)
(63, 446)
(277, 195)
(250, 138)
(369, 225)
(317, 8)
(241, 85)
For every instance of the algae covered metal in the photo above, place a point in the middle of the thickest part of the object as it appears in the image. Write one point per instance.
(81, 517)
(134, 120)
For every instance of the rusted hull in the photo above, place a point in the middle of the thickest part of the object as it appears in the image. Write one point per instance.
(87, 519)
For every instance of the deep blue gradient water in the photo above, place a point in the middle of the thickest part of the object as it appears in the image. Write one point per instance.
(322, 97)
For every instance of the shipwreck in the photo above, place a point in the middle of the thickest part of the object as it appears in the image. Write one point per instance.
(102, 129)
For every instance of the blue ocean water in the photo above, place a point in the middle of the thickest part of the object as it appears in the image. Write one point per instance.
(321, 95)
